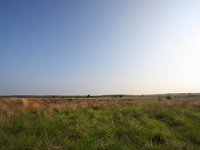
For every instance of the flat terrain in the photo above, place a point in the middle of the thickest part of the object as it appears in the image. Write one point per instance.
(103, 123)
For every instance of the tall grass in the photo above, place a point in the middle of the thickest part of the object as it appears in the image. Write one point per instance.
(127, 125)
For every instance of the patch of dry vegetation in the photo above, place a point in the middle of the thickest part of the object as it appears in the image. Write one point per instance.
(49, 103)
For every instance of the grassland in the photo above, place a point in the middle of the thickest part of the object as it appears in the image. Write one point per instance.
(139, 122)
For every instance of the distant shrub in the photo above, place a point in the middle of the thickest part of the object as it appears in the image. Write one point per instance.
(168, 97)
(88, 96)
(159, 98)
(120, 96)
(189, 94)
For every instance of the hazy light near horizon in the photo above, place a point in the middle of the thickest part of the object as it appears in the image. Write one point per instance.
(99, 47)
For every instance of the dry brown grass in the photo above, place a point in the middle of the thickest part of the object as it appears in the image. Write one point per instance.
(35, 104)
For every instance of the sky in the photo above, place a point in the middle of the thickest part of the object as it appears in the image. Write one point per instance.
(76, 47)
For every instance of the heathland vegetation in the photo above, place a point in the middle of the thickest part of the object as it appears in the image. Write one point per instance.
(101, 123)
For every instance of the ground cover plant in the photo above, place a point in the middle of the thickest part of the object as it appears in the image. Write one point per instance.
(103, 123)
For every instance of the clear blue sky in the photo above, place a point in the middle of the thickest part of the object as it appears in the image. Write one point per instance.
(99, 46)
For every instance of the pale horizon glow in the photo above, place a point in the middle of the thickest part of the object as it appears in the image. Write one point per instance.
(99, 47)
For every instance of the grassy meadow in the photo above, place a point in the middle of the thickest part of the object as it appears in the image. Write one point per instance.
(103, 123)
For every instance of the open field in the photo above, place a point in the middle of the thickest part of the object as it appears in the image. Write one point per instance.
(103, 123)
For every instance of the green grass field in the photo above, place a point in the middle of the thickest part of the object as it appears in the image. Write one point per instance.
(100, 123)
